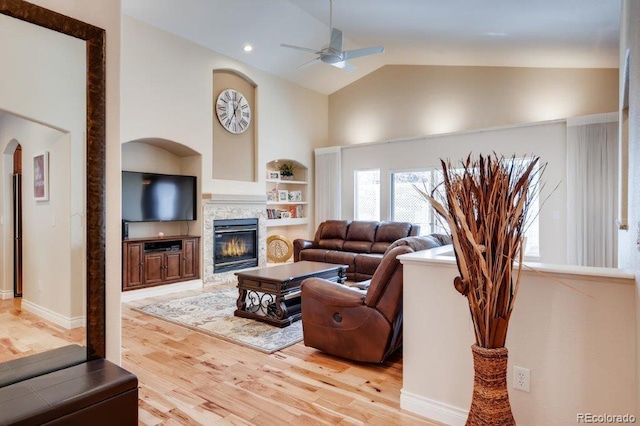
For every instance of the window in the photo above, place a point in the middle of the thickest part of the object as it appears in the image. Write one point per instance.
(407, 205)
(367, 195)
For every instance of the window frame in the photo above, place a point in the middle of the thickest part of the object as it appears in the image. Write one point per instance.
(356, 193)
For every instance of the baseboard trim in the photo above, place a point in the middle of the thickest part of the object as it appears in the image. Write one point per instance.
(143, 293)
(432, 409)
(54, 317)
(6, 294)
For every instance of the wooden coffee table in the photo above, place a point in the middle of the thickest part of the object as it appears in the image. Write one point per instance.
(272, 294)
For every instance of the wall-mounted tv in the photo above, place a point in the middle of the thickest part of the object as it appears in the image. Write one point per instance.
(153, 197)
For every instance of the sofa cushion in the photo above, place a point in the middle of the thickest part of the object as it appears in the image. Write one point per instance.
(423, 242)
(366, 264)
(389, 232)
(362, 231)
(315, 255)
(357, 246)
(333, 244)
(344, 258)
(332, 234)
(334, 230)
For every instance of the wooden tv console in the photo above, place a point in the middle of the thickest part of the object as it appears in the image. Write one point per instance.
(148, 262)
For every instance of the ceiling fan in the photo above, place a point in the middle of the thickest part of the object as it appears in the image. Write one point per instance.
(333, 53)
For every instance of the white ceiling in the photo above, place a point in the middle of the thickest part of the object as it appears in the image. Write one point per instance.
(523, 33)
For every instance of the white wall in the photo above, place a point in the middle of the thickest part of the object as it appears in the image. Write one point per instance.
(548, 140)
(571, 326)
(46, 83)
(406, 101)
(167, 93)
(52, 242)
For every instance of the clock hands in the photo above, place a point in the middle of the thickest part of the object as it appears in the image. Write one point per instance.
(235, 109)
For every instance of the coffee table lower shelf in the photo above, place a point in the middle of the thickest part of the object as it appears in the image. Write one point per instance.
(272, 294)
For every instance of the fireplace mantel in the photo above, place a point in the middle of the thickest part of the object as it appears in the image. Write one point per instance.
(234, 199)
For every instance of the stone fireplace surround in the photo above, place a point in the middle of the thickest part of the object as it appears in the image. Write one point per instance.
(231, 206)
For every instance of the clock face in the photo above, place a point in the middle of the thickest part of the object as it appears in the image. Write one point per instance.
(233, 111)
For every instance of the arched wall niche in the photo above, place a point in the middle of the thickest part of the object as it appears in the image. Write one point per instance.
(235, 155)
(159, 155)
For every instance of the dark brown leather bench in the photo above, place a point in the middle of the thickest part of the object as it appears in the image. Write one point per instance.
(93, 393)
(45, 362)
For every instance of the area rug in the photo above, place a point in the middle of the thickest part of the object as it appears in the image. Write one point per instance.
(212, 313)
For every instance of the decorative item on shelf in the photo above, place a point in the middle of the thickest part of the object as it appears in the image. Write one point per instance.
(272, 195)
(273, 174)
(295, 195)
(485, 203)
(285, 215)
(299, 210)
(279, 248)
(161, 234)
(272, 214)
(283, 195)
(286, 171)
(292, 211)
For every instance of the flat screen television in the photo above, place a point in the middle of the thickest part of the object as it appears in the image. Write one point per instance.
(153, 197)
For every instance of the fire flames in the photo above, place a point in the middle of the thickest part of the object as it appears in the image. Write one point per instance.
(235, 247)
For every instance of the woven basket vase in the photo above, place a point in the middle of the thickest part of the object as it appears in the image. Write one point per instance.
(490, 401)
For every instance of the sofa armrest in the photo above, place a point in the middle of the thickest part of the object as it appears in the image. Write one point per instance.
(329, 293)
(300, 244)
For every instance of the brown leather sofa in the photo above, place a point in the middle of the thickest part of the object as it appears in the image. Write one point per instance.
(361, 326)
(359, 244)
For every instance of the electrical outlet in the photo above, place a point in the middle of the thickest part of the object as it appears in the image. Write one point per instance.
(39, 285)
(522, 379)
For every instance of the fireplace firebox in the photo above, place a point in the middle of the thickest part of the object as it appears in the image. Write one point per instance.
(235, 244)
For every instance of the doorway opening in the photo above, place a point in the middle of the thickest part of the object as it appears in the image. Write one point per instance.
(17, 221)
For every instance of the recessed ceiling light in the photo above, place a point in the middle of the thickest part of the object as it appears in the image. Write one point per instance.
(247, 47)
(496, 34)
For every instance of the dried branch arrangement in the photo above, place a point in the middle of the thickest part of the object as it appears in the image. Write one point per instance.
(485, 202)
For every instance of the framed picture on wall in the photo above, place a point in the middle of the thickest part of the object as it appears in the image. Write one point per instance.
(283, 195)
(41, 176)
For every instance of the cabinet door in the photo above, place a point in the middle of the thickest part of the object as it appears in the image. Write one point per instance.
(190, 258)
(133, 270)
(172, 263)
(153, 268)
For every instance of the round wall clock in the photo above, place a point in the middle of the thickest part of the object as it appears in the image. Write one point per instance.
(233, 111)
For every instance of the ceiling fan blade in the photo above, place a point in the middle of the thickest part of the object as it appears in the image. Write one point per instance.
(344, 65)
(309, 63)
(366, 51)
(336, 40)
(304, 49)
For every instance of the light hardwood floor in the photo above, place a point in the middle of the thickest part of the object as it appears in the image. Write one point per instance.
(22, 333)
(189, 378)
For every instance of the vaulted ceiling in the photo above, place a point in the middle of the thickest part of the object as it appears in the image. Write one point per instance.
(520, 33)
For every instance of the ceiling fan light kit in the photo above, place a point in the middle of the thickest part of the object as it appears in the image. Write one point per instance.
(333, 54)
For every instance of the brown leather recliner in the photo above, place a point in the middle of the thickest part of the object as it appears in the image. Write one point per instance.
(360, 326)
